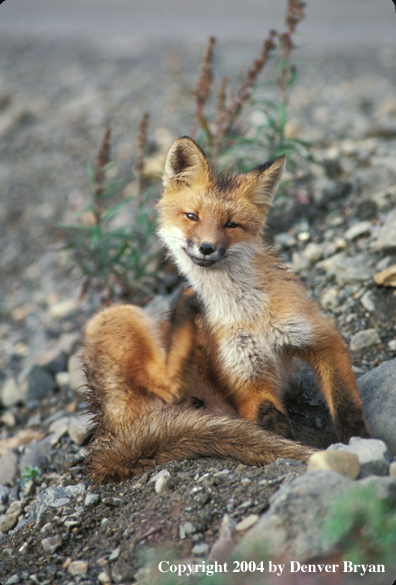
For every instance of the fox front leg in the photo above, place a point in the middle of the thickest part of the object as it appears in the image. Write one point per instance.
(330, 362)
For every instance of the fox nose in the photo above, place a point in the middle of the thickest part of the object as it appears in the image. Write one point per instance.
(206, 249)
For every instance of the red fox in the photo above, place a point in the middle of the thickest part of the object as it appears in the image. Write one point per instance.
(208, 381)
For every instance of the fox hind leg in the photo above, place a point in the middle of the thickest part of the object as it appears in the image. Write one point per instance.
(133, 364)
(263, 406)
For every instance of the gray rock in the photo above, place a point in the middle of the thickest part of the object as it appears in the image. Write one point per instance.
(121, 573)
(378, 391)
(91, 500)
(200, 549)
(330, 264)
(330, 190)
(13, 580)
(10, 520)
(112, 502)
(58, 363)
(36, 455)
(284, 241)
(354, 270)
(186, 529)
(54, 497)
(51, 544)
(4, 491)
(292, 525)
(8, 467)
(363, 339)
(79, 428)
(373, 455)
(58, 428)
(35, 383)
(386, 241)
(384, 487)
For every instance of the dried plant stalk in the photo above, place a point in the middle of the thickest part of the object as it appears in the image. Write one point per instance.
(142, 145)
(226, 116)
(102, 159)
(204, 87)
(294, 15)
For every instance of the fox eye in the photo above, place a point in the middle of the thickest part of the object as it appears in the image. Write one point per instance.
(192, 216)
(230, 224)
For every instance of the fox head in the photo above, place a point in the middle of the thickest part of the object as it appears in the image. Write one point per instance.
(206, 219)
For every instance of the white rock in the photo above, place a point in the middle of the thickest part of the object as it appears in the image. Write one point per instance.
(373, 455)
(367, 301)
(313, 252)
(247, 523)
(10, 393)
(357, 230)
(8, 419)
(78, 568)
(115, 554)
(77, 378)
(162, 483)
(62, 379)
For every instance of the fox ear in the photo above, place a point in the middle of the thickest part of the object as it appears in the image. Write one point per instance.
(262, 182)
(185, 164)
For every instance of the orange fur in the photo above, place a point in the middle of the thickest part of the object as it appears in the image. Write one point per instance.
(231, 355)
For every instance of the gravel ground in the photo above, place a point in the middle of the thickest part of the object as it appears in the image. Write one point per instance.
(55, 99)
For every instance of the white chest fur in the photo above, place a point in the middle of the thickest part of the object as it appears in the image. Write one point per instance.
(250, 337)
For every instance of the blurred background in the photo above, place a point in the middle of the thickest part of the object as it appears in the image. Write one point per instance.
(335, 23)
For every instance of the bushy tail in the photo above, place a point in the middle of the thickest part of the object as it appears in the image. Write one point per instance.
(167, 434)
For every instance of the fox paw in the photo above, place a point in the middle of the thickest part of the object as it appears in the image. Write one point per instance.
(272, 419)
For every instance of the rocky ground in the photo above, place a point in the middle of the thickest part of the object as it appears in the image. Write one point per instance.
(337, 231)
